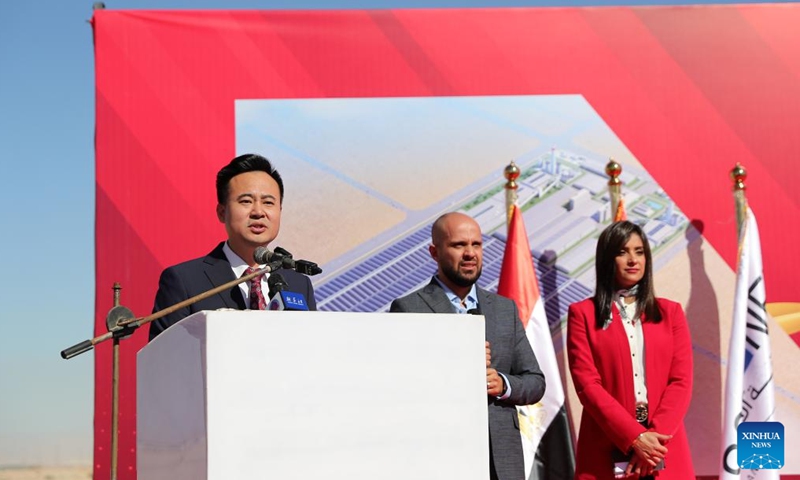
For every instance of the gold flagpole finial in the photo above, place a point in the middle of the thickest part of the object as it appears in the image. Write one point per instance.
(511, 172)
(739, 175)
(614, 170)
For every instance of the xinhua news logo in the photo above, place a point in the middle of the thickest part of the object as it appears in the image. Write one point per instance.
(759, 445)
(295, 300)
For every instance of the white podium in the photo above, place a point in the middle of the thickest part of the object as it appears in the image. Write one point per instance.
(228, 395)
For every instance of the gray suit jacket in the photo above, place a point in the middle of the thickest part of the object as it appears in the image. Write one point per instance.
(511, 355)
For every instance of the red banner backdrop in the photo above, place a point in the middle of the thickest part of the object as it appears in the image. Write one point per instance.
(689, 90)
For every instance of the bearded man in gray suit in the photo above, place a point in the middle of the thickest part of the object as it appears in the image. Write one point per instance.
(513, 376)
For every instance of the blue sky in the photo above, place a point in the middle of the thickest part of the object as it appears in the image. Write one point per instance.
(47, 172)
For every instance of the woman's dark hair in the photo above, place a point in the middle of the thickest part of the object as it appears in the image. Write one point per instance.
(249, 162)
(609, 245)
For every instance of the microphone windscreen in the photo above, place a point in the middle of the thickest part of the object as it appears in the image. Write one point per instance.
(475, 311)
(262, 255)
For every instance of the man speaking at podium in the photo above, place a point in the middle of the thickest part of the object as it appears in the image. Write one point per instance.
(513, 376)
(249, 203)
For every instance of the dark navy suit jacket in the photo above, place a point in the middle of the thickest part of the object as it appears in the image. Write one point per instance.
(194, 277)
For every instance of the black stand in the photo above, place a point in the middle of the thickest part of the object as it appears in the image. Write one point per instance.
(121, 323)
(116, 315)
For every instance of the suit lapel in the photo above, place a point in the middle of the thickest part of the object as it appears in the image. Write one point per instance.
(486, 307)
(485, 303)
(218, 271)
(433, 295)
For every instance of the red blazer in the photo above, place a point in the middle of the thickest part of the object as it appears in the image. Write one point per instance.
(600, 364)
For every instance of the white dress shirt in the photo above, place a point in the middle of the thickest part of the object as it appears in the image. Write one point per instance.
(633, 330)
(239, 266)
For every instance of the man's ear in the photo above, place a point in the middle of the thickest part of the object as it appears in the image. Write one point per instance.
(434, 253)
(221, 212)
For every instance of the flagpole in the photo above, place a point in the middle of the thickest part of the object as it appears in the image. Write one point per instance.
(749, 382)
(613, 170)
(544, 428)
(739, 175)
(511, 172)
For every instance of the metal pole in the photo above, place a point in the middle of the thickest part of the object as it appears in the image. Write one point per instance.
(613, 170)
(115, 394)
(739, 175)
(511, 172)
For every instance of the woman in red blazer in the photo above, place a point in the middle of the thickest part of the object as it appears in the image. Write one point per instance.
(630, 354)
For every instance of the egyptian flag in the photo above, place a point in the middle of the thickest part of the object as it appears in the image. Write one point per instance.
(544, 427)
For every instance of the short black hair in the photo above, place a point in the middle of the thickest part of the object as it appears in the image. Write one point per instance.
(610, 243)
(249, 162)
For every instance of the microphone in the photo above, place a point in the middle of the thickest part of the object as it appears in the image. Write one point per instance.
(263, 255)
(280, 299)
(475, 311)
(301, 266)
(283, 252)
(281, 258)
(276, 284)
(305, 267)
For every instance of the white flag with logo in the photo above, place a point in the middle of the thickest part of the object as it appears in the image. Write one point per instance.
(749, 392)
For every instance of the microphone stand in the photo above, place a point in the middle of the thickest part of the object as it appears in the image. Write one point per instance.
(121, 323)
(116, 314)
(123, 327)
